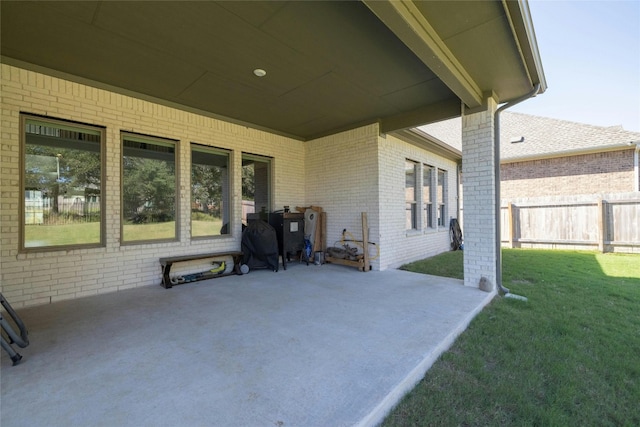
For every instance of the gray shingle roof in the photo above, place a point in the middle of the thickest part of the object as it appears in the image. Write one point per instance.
(543, 136)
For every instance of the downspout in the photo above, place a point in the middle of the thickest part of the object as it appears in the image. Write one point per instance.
(496, 159)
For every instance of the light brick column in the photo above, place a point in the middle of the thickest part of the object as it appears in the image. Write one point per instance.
(478, 175)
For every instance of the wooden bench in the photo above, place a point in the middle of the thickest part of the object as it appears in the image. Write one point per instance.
(167, 262)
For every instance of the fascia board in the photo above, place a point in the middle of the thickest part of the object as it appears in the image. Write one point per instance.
(519, 16)
(427, 142)
(405, 20)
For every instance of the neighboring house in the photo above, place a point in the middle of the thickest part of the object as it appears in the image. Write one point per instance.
(549, 157)
(541, 156)
(160, 107)
(564, 184)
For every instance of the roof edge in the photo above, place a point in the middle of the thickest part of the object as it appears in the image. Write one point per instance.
(519, 16)
(417, 137)
(578, 151)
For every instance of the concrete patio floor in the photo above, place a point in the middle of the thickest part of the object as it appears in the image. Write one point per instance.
(310, 346)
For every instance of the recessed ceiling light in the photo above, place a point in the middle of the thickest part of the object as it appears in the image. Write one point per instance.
(259, 72)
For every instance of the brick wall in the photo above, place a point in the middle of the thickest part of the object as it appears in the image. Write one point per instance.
(43, 277)
(347, 173)
(478, 167)
(359, 171)
(400, 245)
(607, 172)
(342, 177)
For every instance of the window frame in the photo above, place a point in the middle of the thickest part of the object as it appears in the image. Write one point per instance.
(215, 151)
(270, 180)
(428, 200)
(69, 125)
(441, 205)
(159, 141)
(411, 205)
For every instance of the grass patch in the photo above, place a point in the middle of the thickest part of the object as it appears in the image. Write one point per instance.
(206, 228)
(447, 264)
(152, 231)
(569, 356)
(67, 234)
(89, 232)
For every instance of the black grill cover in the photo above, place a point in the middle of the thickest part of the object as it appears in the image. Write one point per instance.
(260, 245)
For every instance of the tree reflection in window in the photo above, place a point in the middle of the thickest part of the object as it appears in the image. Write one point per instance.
(209, 191)
(62, 183)
(148, 189)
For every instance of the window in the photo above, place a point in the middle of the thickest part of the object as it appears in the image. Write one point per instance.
(256, 185)
(148, 188)
(442, 197)
(209, 191)
(62, 181)
(428, 195)
(411, 172)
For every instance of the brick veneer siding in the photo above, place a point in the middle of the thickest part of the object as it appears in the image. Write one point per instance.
(347, 173)
(480, 219)
(399, 244)
(44, 277)
(606, 172)
(359, 171)
(342, 177)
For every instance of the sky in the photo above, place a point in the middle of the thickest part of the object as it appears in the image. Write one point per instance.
(590, 54)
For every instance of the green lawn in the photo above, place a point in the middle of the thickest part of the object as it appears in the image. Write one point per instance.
(66, 234)
(152, 231)
(89, 232)
(570, 356)
(447, 264)
(205, 228)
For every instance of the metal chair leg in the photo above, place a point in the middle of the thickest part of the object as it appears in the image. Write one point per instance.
(15, 357)
(20, 340)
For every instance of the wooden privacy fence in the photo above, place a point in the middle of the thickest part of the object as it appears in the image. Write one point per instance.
(606, 224)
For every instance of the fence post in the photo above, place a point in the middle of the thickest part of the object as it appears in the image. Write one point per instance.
(510, 217)
(602, 232)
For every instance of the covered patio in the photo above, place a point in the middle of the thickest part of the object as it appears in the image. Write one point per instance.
(309, 346)
(326, 93)
(327, 96)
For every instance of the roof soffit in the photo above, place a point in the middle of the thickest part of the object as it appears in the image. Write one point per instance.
(330, 65)
(412, 27)
(464, 43)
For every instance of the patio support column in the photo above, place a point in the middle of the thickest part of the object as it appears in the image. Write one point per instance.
(479, 182)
